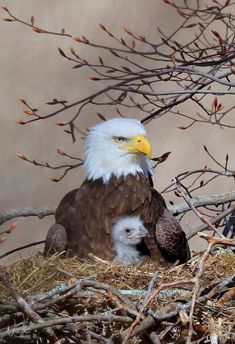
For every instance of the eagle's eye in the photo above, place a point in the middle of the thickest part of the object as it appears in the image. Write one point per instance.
(120, 139)
(127, 230)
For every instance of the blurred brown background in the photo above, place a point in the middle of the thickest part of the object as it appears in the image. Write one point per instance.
(31, 68)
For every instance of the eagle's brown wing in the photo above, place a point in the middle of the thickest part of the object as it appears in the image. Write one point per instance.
(56, 240)
(171, 239)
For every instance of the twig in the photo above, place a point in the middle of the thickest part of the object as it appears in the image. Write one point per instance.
(201, 267)
(22, 248)
(127, 335)
(212, 221)
(101, 338)
(26, 309)
(63, 321)
(148, 293)
(145, 324)
(154, 338)
(186, 197)
(129, 332)
(159, 316)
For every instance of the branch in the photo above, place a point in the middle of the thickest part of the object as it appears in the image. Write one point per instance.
(174, 92)
(25, 212)
(22, 248)
(185, 194)
(201, 268)
(26, 309)
(67, 320)
(201, 201)
(128, 332)
(212, 221)
(185, 306)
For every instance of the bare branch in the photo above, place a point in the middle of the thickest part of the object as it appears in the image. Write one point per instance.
(201, 201)
(39, 212)
(212, 221)
(201, 267)
(26, 309)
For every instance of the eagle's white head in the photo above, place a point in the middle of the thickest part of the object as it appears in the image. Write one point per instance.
(117, 147)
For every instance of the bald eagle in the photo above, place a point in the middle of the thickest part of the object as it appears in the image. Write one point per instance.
(118, 183)
(127, 233)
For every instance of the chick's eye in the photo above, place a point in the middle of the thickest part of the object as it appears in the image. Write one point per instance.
(128, 230)
(120, 139)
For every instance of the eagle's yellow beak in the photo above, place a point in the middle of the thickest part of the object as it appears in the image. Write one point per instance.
(139, 145)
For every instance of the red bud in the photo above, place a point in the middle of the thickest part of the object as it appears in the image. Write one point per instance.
(35, 29)
(72, 51)
(60, 151)
(5, 8)
(28, 112)
(62, 52)
(173, 58)
(23, 101)
(142, 38)
(94, 78)
(13, 226)
(22, 157)
(181, 127)
(8, 20)
(102, 27)
(85, 40)
(127, 30)
(78, 39)
(215, 102)
(55, 180)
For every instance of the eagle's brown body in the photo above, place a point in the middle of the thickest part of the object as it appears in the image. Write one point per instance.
(88, 213)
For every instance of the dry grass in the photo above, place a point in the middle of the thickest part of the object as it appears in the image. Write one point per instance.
(38, 275)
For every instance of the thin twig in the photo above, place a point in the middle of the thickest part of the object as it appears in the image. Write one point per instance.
(26, 309)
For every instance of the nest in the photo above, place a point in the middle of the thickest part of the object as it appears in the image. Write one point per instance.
(63, 300)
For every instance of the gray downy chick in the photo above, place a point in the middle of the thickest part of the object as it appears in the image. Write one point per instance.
(127, 232)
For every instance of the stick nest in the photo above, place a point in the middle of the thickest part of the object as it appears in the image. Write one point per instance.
(97, 302)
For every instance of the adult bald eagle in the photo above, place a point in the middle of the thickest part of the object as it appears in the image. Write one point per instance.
(118, 183)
